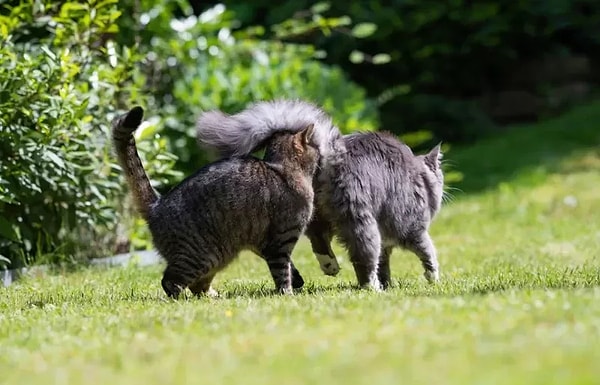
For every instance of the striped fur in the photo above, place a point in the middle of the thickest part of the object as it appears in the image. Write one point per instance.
(144, 195)
(203, 223)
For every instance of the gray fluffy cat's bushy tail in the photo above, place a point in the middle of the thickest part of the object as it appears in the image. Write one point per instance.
(123, 127)
(248, 130)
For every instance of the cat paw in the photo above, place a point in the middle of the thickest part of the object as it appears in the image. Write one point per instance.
(432, 276)
(373, 286)
(171, 288)
(285, 291)
(212, 293)
(329, 265)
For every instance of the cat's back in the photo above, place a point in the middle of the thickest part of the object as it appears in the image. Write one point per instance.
(235, 168)
(375, 144)
(375, 174)
(235, 188)
(224, 180)
(377, 154)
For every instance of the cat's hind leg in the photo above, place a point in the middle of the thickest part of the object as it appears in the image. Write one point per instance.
(297, 280)
(362, 237)
(277, 254)
(383, 268)
(424, 248)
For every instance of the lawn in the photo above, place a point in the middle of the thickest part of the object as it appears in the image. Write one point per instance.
(519, 300)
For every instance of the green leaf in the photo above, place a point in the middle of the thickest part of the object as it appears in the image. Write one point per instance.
(357, 57)
(381, 58)
(105, 3)
(362, 30)
(416, 138)
(49, 53)
(339, 21)
(320, 7)
(7, 230)
(5, 260)
(55, 159)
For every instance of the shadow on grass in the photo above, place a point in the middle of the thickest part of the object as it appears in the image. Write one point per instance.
(503, 281)
(526, 150)
(230, 291)
(509, 280)
(266, 290)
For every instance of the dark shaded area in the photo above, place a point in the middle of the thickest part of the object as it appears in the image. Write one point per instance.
(458, 68)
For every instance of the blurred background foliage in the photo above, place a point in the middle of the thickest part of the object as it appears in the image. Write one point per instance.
(425, 70)
(205, 61)
(447, 65)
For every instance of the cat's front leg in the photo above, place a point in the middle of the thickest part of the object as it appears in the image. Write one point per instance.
(319, 232)
(280, 268)
(425, 250)
(278, 258)
(202, 286)
(183, 270)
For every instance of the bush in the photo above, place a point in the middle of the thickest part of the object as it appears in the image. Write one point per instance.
(60, 81)
(195, 63)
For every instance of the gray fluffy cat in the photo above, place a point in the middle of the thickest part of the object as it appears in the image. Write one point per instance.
(370, 189)
(234, 204)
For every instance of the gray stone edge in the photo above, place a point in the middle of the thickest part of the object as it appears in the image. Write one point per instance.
(138, 258)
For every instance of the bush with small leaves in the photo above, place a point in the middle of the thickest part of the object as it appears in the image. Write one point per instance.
(60, 82)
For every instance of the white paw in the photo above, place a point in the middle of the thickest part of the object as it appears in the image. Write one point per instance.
(432, 276)
(372, 285)
(329, 265)
(212, 293)
(286, 291)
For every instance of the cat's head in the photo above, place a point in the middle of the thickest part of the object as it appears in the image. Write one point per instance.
(306, 151)
(433, 177)
(296, 149)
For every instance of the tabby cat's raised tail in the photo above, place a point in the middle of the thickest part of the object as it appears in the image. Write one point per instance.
(247, 131)
(123, 127)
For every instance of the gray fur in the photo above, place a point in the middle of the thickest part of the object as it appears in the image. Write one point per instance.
(246, 131)
(202, 224)
(370, 190)
(379, 196)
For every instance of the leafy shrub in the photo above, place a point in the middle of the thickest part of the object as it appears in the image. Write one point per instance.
(60, 81)
(196, 63)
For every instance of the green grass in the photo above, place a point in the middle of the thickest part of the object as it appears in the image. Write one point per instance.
(519, 301)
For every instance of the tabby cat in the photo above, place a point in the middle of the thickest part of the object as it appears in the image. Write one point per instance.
(370, 189)
(240, 203)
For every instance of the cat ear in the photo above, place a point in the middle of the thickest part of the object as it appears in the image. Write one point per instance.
(307, 134)
(433, 159)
